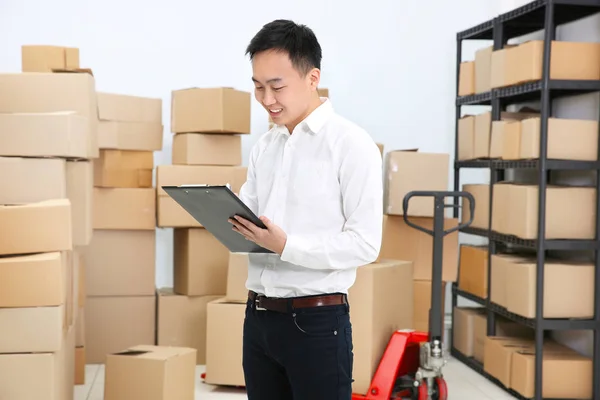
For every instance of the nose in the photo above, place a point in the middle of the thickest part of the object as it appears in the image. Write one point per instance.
(268, 98)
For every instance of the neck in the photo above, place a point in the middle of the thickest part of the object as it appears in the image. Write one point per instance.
(314, 104)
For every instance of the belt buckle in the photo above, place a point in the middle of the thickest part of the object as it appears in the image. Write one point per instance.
(257, 304)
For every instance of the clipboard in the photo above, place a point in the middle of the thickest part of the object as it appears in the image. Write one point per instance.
(212, 206)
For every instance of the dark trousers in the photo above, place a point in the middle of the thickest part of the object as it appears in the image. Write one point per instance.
(302, 355)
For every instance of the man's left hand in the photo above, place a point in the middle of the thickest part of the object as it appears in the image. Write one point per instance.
(273, 238)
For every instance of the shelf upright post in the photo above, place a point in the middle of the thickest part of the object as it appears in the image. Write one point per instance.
(596, 354)
(546, 104)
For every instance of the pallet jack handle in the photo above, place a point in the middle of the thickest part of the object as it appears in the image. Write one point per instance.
(438, 233)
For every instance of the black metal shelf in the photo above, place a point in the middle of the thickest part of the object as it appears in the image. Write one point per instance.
(549, 244)
(467, 295)
(531, 91)
(474, 99)
(551, 164)
(483, 31)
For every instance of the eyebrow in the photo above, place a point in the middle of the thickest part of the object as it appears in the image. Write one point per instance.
(273, 80)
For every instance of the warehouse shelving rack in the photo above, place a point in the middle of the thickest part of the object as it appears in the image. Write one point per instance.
(535, 16)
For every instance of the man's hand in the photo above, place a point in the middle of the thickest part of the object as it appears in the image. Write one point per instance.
(273, 238)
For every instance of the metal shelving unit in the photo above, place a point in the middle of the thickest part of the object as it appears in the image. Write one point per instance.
(532, 17)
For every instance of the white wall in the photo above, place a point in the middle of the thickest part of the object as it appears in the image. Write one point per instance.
(389, 65)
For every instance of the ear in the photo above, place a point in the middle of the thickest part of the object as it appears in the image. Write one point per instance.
(314, 77)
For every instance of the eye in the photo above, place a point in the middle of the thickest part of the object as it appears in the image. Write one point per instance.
(277, 89)
(258, 87)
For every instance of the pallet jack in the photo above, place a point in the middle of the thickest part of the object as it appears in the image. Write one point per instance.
(411, 366)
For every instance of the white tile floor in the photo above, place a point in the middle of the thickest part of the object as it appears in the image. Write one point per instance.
(463, 384)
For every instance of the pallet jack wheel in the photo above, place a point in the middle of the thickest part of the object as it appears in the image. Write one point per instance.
(440, 391)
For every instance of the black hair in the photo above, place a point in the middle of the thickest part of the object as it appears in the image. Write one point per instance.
(298, 41)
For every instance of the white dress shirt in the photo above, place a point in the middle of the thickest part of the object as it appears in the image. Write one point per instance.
(323, 186)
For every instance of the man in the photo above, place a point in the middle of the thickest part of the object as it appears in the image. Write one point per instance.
(315, 180)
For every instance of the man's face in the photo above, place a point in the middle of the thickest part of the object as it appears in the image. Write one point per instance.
(282, 90)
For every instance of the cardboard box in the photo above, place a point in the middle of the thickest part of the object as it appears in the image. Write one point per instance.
(483, 69)
(402, 242)
(481, 137)
(31, 329)
(34, 280)
(29, 180)
(479, 336)
(115, 323)
(170, 213)
(464, 328)
(151, 373)
(568, 61)
(210, 110)
(52, 92)
(200, 263)
(125, 208)
(224, 343)
(570, 211)
(124, 169)
(60, 134)
(36, 58)
(473, 270)
(498, 356)
(502, 67)
(80, 328)
(500, 207)
(466, 81)
(237, 275)
(52, 221)
(466, 138)
(79, 365)
(422, 304)
(481, 194)
(80, 191)
(411, 170)
(127, 108)
(140, 136)
(378, 307)
(121, 263)
(504, 328)
(561, 143)
(499, 278)
(207, 149)
(182, 321)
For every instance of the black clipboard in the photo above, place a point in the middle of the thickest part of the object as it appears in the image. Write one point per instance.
(212, 206)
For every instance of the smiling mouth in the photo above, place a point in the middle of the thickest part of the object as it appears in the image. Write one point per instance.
(275, 111)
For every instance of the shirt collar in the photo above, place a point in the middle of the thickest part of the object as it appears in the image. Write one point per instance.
(316, 119)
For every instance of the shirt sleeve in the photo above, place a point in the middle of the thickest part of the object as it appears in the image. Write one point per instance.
(359, 243)
(248, 193)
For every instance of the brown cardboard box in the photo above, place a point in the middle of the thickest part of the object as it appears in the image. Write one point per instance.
(139, 136)
(502, 67)
(171, 214)
(504, 328)
(200, 263)
(501, 207)
(505, 139)
(36, 58)
(210, 110)
(402, 242)
(127, 108)
(225, 323)
(466, 138)
(61, 134)
(52, 92)
(31, 329)
(237, 274)
(125, 208)
(29, 180)
(464, 329)
(151, 373)
(80, 328)
(411, 170)
(483, 69)
(570, 212)
(473, 270)
(52, 221)
(115, 323)
(124, 169)
(561, 145)
(79, 365)
(568, 60)
(498, 356)
(481, 194)
(422, 304)
(466, 82)
(207, 149)
(574, 281)
(80, 191)
(481, 137)
(35, 280)
(499, 277)
(566, 374)
(182, 321)
(378, 307)
(121, 263)
(479, 336)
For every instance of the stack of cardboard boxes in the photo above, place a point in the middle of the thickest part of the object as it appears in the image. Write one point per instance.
(120, 260)
(570, 214)
(48, 137)
(208, 124)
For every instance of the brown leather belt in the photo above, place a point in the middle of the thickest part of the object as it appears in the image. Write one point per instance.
(286, 305)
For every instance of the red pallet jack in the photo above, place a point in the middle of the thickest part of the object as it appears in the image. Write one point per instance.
(411, 366)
